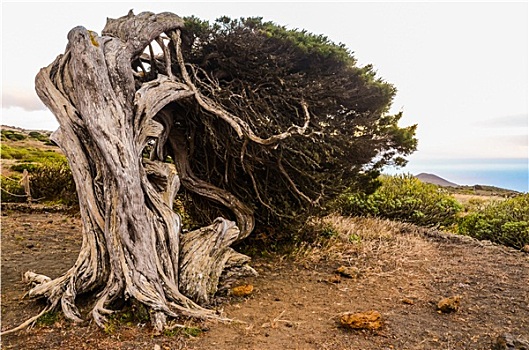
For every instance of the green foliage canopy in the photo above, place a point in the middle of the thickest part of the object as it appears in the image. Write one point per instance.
(265, 74)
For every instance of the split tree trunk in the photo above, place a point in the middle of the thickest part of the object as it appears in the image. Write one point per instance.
(132, 242)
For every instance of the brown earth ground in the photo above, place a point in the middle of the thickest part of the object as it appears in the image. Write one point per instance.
(297, 300)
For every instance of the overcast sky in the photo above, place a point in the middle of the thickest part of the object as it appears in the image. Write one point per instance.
(461, 69)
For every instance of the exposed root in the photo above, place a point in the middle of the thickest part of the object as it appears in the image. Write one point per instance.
(34, 278)
(52, 289)
(28, 322)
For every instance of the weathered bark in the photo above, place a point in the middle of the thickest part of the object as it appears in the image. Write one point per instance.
(131, 246)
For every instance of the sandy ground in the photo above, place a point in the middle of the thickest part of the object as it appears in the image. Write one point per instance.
(297, 301)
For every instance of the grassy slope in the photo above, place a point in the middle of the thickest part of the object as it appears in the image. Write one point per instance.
(19, 146)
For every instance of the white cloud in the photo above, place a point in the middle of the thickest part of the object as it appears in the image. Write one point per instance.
(32, 120)
(23, 98)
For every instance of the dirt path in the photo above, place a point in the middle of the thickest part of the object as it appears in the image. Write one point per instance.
(297, 302)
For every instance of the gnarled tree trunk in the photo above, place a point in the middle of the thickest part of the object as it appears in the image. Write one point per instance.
(132, 245)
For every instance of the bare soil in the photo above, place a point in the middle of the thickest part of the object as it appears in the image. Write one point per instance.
(297, 301)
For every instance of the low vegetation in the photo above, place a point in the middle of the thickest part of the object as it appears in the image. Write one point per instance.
(504, 222)
(50, 176)
(12, 189)
(482, 190)
(404, 198)
(28, 154)
(48, 319)
(14, 135)
(133, 314)
(494, 214)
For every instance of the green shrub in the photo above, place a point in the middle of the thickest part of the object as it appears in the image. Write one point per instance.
(52, 180)
(504, 222)
(20, 167)
(12, 190)
(38, 136)
(8, 152)
(12, 135)
(403, 198)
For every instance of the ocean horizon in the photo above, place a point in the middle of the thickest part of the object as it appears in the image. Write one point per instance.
(511, 174)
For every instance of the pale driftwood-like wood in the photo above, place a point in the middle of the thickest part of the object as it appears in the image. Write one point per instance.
(132, 245)
(199, 278)
(25, 184)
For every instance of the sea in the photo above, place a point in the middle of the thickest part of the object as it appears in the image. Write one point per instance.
(511, 174)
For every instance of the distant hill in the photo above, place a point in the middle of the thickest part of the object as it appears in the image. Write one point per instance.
(481, 190)
(436, 180)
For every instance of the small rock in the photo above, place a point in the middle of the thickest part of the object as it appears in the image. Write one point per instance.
(362, 320)
(507, 341)
(525, 248)
(157, 347)
(407, 301)
(30, 245)
(349, 272)
(335, 279)
(447, 305)
(242, 291)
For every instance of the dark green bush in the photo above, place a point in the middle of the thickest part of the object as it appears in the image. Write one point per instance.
(13, 135)
(504, 222)
(403, 198)
(20, 167)
(52, 180)
(50, 143)
(39, 136)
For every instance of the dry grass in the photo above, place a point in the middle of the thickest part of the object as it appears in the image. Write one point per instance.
(374, 246)
(473, 202)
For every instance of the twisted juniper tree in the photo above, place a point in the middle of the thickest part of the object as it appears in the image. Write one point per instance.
(249, 120)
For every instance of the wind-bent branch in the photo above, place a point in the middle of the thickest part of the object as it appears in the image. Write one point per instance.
(240, 126)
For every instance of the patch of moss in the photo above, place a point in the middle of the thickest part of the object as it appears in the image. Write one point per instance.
(130, 316)
(48, 319)
(186, 331)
